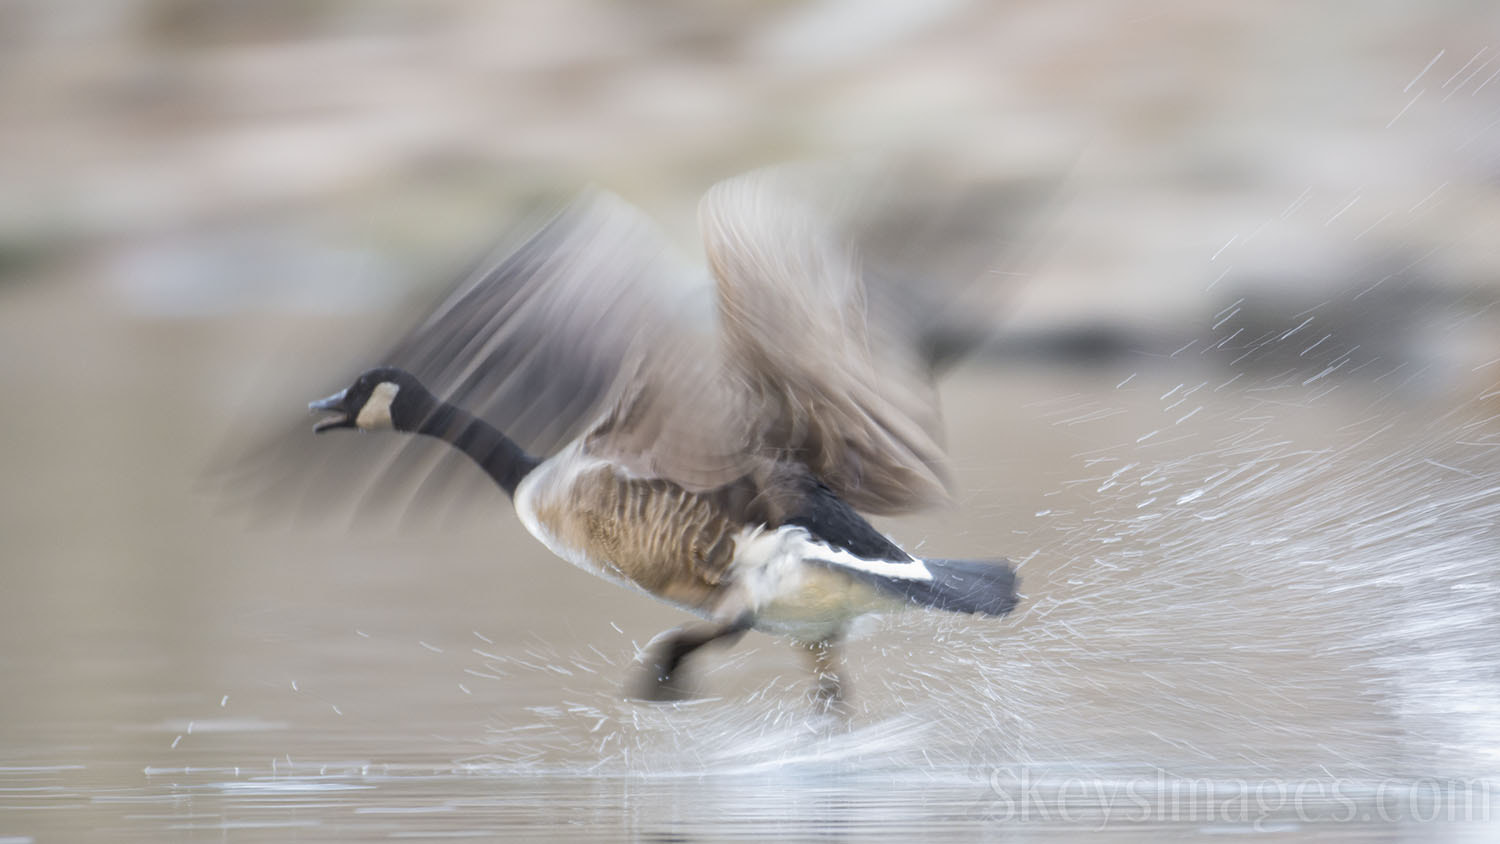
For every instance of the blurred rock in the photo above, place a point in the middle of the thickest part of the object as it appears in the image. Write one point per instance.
(1210, 144)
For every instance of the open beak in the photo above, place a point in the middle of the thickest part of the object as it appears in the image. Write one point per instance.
(333, 404)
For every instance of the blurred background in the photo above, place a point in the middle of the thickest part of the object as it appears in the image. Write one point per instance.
(1239, 427)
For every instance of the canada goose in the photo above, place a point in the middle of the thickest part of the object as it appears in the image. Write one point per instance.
(709, 438)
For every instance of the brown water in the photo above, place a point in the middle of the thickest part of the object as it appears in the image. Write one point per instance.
(1281, 587)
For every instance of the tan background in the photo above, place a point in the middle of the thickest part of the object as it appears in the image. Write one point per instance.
(1242, 571)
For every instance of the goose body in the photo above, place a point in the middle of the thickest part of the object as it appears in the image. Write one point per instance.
(635, 531)
(715, 554)
(709, 444)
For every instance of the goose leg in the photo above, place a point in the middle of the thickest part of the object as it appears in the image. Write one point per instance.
(661, 678)
(830, 696)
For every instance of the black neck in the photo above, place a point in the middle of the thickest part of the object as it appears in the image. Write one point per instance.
(496, 453)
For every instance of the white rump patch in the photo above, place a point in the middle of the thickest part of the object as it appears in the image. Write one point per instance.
(774, 557)
(913, 569)
(376, 414)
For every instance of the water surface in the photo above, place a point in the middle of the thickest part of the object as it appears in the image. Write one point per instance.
(1235, 587)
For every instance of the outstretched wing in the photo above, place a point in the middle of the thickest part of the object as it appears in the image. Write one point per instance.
(814, 339)
(836, 313)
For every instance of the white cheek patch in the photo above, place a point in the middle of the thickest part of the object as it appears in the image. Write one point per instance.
(376, 414)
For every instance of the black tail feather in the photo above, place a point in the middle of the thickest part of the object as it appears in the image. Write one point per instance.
(969, 586)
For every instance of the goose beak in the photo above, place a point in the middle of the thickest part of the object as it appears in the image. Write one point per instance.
(333, 404)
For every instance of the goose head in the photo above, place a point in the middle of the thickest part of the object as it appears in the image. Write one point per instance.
(384, 398)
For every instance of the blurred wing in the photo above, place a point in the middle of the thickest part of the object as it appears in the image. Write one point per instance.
(592, 312)
(838, 304)
(536, 344)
